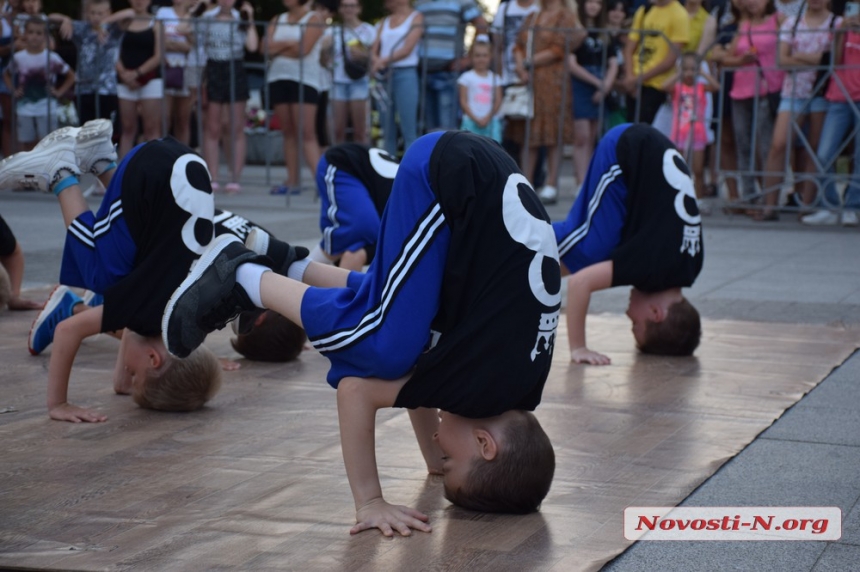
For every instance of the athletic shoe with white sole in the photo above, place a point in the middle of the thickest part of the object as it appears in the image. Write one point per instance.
(548, 195)
(47, 164)
(281, 253)
(821, 218)
(92, 299)
(58, 307)
(209, 297)
(95, 149)
(849, 218)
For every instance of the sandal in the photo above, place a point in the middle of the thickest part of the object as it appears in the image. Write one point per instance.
(233, 188)
(279, 190)
(766, 216)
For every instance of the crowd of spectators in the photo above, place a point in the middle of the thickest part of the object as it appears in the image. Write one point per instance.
(779, 80)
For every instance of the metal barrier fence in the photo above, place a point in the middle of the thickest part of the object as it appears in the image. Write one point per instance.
(760, 182)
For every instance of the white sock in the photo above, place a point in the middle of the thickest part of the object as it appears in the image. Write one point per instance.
(249, 276)
(317, 255)
(296, 271)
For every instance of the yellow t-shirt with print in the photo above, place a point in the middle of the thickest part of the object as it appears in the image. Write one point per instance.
(670, 21)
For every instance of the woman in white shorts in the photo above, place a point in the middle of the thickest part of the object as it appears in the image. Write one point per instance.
(140, 88)
(350, 95)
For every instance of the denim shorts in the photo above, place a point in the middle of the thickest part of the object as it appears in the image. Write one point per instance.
(352, 91)
(802, 105)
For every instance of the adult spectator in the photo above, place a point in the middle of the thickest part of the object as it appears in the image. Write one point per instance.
(177, 46)
(293, 41)
(6, 50)
(441, 52)
(660, 32)
(554, 32)
(352, 40)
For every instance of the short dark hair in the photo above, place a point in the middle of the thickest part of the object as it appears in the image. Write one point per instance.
(677, 335)
(275, 339)
(330, 5)
(518, 479)
(36, 21)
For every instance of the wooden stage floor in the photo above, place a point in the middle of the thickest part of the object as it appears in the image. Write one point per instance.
(255, 480)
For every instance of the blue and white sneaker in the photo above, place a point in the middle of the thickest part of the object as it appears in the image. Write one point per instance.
(92, 299)
(58, 308)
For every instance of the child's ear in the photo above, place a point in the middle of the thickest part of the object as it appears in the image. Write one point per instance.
(487, 445)
(155, 359)
(658, 312)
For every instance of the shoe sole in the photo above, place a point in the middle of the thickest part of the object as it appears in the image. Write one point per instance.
(258, 241)
(202, 264)
(50, 306)
(94, 132)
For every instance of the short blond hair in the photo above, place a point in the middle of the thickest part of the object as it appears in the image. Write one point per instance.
(181, 384)
(5, 287)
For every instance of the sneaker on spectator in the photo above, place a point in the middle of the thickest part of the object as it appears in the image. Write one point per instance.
(58, 307)
(849, 218)
(548, 195)
(51, 161)
(281, 253)
(209, 297)
(821, 218)
(95, 149)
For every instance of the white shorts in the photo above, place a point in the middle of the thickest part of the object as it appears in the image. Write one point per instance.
(152, 90)
(32, 129)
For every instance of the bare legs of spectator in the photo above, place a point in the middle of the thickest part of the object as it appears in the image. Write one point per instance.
(237, 141)
(149, 111)
(350, 111)
(778, 163)
(288, 114)
(584, 136)
(728, 156)
(6, 107)
(806, 163)
(178, 109)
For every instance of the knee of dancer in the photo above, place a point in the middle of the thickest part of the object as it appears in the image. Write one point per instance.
(678, 334)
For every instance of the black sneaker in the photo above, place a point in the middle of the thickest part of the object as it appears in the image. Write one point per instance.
(281, 253)
(209, 297)
(244, 322)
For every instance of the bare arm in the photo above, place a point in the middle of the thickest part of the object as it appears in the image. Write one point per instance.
(464, 102)
(709, 35)
(67, 84)
(357, 403)
(665, 64)
(425, 423)
(579, 288)
(121, 378)
(412, 39)
(252, 38)
(67, 339)
(581, 73)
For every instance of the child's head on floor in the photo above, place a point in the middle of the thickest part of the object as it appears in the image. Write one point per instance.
(501, 464)
(273, 338)
(166, 383)
(664, 323)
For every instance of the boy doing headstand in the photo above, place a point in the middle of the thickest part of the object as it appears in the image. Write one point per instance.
(354, 182)
(154, 221)
(456, 313)
(636, 223)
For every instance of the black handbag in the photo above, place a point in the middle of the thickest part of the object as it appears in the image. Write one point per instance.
(353, 70)
(822, 80)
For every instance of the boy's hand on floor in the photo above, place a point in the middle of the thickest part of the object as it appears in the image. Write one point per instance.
(18, 303)
(388, 518)
(228, 365)
(585, 355)
(75, 414)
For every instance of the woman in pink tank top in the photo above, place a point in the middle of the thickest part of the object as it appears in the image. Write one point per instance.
(756, 87)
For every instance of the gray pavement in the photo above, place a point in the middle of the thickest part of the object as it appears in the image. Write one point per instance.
(769, 272)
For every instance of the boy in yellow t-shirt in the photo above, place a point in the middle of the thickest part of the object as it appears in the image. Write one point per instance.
(661, 30)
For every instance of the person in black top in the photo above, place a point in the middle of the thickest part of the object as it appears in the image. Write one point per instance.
(354, 182)
(156, 218)
(635, 222)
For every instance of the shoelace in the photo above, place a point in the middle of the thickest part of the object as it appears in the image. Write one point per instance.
(225, 310)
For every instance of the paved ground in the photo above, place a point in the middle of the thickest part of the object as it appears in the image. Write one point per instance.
(771, 272)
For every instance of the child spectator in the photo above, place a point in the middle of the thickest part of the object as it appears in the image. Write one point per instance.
(354, 183)
(98, 49)
(689, 114)
(466, 264)
(481, 94)
(7, 48)
(352, 41)
(635, 222)
(31, 76)
(594, 67)
(155, 219)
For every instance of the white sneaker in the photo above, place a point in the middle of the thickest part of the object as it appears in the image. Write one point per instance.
(95, 150)
(47, 164)
(849, 218)
(821, 218)
(548, 195)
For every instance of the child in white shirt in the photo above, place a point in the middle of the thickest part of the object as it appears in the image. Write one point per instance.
(481, 94)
